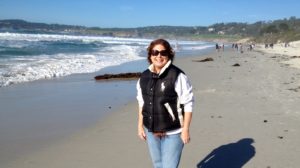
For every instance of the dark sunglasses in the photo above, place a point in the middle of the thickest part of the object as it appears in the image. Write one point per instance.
(162, 52)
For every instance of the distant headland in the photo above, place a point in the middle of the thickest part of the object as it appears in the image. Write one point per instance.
(283, 30)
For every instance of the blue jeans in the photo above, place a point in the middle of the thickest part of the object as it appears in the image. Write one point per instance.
(166, 151)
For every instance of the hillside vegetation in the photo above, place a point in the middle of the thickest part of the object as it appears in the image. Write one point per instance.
(283, 30)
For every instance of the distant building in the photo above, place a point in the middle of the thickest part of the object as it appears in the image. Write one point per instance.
(211, 29)
(221, 32)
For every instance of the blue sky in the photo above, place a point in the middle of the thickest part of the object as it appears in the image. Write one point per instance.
(139, 13)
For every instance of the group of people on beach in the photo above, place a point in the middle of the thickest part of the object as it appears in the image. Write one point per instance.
(240, 47)
(219, 47)
(271, 45)
(236, 46)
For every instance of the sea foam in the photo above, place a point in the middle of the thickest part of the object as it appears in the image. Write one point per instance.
(29, 57)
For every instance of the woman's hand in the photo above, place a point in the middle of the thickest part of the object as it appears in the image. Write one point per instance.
(141, 133)
(185, 136)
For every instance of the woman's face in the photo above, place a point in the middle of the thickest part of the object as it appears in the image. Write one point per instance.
(159, 57)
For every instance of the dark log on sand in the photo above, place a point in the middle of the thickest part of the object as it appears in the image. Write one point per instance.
(237, 64)
(204, 60)
(118, 76)
(295, 57)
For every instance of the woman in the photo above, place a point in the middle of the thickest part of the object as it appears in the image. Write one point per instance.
(165, 101)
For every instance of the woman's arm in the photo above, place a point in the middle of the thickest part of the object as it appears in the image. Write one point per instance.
(185, 134)
(141, 131)
(184, 89)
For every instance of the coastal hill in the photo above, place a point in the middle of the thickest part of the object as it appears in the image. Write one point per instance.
(283, 30)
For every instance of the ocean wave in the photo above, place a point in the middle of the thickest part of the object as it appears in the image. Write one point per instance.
(25, 69)
(197, 47)
(29, 57)
(48, 68)
(55, 37)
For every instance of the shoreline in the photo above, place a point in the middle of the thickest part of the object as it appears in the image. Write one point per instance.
(41, 113)
(38, 114)
(252, 101)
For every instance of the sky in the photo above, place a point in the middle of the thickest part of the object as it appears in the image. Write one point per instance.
(141, 13)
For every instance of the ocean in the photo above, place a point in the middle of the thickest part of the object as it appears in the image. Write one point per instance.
(34, 115)
(30, 57)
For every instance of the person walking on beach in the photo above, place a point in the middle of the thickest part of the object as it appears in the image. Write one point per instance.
(165, 100)
(217, 47)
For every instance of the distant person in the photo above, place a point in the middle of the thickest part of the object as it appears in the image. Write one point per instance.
(165, 100)
(251, 47)
(217, 47)
(241, 47)
(286, 44)
(236, 47)
(177, 47)
(266, 45)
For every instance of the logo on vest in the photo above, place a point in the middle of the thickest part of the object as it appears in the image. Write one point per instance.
(163, 86)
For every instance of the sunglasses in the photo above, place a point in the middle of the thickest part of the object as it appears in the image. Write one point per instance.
(162, 52)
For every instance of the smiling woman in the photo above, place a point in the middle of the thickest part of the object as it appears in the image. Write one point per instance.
(164, 94)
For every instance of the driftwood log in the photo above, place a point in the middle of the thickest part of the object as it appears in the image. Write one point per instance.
(204, 60)
(236, 64)
(295, 57)
(118, 76)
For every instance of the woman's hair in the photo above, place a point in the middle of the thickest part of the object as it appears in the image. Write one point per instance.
(164, 43)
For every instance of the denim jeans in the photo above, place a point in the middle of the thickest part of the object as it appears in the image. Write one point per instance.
(166, 151)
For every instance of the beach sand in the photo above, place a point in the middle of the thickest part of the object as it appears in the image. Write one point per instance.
(244, 116)
(290, 55)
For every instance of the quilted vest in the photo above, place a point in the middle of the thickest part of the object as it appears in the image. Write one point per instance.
(160, 100)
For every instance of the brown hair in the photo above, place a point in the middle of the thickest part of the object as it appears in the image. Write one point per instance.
(163, 42)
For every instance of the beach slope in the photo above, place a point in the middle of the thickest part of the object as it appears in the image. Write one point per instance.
(245, 115)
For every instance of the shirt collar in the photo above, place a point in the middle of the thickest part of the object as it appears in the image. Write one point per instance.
(151, 68)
